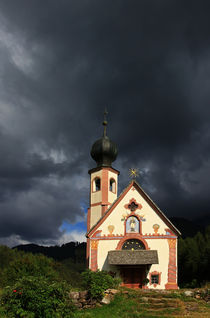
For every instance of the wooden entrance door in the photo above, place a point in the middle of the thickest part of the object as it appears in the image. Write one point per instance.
(133, 276)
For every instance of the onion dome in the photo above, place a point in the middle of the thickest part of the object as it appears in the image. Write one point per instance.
(104, 151)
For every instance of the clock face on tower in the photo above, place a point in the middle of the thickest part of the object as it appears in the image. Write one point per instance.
(133, 244)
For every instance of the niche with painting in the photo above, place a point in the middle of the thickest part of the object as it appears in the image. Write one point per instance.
(132, 225)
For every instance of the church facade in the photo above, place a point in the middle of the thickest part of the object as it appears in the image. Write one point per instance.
(127, 234)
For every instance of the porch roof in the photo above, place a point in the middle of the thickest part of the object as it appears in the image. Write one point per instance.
(129, 257)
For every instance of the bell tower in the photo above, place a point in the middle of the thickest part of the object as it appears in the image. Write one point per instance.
(103, 178)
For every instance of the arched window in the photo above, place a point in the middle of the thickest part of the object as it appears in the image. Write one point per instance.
(97, 184)
(112, 185)
(133, 244)
(132, 225)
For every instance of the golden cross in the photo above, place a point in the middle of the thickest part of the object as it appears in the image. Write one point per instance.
(134, 173)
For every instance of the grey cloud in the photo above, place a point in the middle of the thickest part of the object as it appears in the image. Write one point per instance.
(60, 65)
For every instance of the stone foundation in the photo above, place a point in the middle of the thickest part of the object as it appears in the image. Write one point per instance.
(83, 301)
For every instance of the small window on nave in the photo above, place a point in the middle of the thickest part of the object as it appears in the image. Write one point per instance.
(112, 185)
(154, 279)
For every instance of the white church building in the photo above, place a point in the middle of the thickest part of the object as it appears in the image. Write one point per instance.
(127, 234)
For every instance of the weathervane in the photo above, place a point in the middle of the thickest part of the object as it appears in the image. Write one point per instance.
(134, 173)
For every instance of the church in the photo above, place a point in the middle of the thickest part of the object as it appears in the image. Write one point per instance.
(127, 234)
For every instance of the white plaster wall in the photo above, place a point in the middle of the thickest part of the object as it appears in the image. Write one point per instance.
(161, 245)
(95, 197)
(95, 214)
(96, 174)
(104, 246)
(146, 212)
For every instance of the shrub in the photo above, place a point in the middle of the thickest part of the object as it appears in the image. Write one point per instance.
(21, 264)
(97, 282)
(145, 281)
(37, 297)
(71, 272)
(193, 284)
(6, 256)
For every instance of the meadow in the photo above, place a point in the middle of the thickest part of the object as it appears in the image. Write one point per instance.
(36, 286)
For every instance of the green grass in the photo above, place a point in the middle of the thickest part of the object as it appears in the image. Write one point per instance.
(131, 306)
(123, 307)
(118, 308)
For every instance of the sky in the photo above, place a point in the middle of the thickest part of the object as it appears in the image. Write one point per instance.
(61, 63)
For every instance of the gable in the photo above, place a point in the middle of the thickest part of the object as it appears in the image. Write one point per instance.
(148, 212)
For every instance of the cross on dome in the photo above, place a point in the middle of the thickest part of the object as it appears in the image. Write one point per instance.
(104, 151)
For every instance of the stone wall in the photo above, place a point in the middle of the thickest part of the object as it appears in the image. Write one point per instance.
(83, 301)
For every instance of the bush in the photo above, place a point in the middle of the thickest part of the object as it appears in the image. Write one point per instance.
(71, 272)
(193, 284)
(145, 281)
(18, 264)
(37, 297)
(6, 256)
(97, 282)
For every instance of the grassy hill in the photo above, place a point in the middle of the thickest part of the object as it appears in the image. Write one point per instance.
(149, 304)
(42, 278)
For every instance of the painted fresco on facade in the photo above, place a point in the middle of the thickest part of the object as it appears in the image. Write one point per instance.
(132, 225)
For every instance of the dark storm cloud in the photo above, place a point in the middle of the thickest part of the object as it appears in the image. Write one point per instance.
(61, 63)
